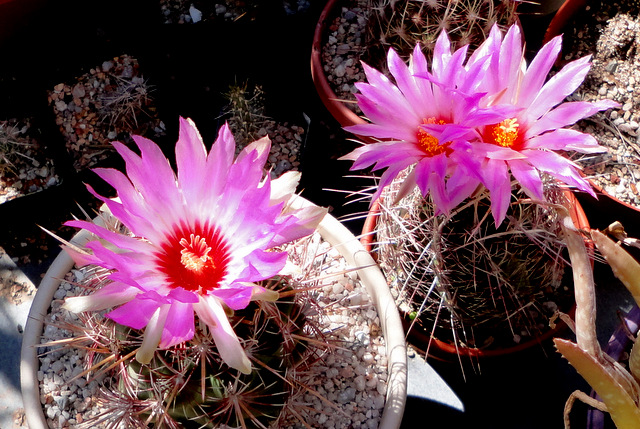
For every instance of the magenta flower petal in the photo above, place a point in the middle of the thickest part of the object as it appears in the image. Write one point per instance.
(109, 296)
(561, 168)
(559, 87)
(236, 298)
(523, 143)
(388, 176)
(537, 72)
(528, 177)
(152, 176)
(497, 181)
(212, 313)
(568, 114)
(384, 154)
(119, 240)
(421, 118)
(565, 139)
(178, 325)
(191, 160)
(137, 312)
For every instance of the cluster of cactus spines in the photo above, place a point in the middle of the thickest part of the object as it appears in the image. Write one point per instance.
(189, 385)
(246, 112)
(616, 385)
(125, 102)
(460, 279)
(401, 24)
(12, 146)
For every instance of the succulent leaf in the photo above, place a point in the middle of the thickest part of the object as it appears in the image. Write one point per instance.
(622, 408)
(624, 266)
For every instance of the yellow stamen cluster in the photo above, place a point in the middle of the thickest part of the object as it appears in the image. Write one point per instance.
(505, 133)
(195, 253)
(428, 143)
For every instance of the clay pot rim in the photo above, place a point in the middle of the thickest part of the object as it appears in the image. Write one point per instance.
(336, 107)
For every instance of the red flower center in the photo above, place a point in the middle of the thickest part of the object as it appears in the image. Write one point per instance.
(505, 133)
(428, 143)
(194, 258)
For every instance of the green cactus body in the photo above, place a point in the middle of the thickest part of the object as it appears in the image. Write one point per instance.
(189, 385)
(461, 277)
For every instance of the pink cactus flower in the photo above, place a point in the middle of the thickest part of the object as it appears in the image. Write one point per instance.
(427, 119)
(526, 142)
(198, 239)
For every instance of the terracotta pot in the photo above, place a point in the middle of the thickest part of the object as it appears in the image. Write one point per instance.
(445, 351)
(562, 17)
(617, 204)
(337, 108)
(618, 343)
(330, 229)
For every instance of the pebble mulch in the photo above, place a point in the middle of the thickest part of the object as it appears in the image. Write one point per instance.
(353, 377)
(341, 52)
(248, 121)
(108, 103)
(192, 12)
(67, 402)
(24, 166)
(14, 287)
(612, 37)
(286, 141)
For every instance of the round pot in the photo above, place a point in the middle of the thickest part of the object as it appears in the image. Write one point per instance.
(330, 229)
(562, 17)
(336, 107)
(445, 351)
(618, 343)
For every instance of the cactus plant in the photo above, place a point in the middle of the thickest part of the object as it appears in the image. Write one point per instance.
(125, 100)
(12, 147)
(470, 145)
(401, 24)
(457, 278)
(189, 385)
(246, 115)
(246, 112)
(171, 267)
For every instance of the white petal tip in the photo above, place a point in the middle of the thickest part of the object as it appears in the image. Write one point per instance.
(76, 304)
(245, 366)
